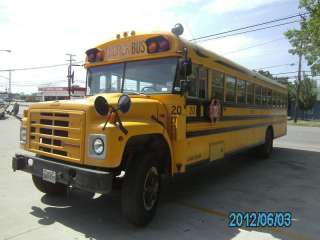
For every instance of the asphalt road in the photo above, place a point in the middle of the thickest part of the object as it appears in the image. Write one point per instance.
(193, 207)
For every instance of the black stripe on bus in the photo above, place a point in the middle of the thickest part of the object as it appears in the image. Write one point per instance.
(205, 102)
(233, 117)
(252, 106)
(223, 130)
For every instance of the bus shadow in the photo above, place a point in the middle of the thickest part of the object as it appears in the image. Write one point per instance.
(192, 206)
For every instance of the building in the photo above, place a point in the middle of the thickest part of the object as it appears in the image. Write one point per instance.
(60, 93)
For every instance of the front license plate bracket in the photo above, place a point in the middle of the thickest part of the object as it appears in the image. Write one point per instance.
(49, 175)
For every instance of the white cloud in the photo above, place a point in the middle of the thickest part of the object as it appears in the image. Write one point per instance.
(224, 6)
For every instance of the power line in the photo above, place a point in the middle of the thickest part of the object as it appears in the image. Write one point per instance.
(249, 31)
(275, 66)
(306, 75)
(250, 26)
(287, 73)
(4, 77)
(253, 46)
(37, 67)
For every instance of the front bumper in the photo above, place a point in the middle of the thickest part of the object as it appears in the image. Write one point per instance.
(78, 177)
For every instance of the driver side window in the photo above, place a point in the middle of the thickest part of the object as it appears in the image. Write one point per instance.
(199, 82)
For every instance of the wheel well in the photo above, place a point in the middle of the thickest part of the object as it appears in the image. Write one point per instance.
(271, 128)
(141, 144)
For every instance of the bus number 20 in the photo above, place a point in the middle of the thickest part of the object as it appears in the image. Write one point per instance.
(176, 110)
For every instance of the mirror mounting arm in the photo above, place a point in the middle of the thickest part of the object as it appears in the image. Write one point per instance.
(117, 121)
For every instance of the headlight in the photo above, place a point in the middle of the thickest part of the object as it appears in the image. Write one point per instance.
(23, 135)
(98, 146)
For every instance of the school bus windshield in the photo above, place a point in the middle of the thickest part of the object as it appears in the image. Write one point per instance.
(147, 76)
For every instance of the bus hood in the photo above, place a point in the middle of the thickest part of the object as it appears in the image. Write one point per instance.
(141, 106)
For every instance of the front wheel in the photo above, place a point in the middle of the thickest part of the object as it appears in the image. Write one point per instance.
(49, 188)
(140, 191)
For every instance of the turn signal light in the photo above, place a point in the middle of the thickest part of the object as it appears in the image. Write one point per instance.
(157, 44)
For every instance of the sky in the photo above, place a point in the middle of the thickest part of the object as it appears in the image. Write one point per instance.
(41, 32)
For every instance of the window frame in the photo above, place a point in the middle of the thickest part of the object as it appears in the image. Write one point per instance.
(244, 91)
(197, 82)
(214, 76)
(253, 93)
(227, 90)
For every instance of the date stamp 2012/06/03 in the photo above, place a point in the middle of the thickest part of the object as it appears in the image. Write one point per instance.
(260, 219)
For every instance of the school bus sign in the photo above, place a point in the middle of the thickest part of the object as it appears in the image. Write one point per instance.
(134, 47)
(125, 50)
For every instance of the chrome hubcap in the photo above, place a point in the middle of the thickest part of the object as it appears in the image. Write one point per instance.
(151, 188)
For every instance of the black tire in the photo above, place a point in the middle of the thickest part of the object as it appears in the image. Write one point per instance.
(141, 190)
(265, 150)
(49, 188)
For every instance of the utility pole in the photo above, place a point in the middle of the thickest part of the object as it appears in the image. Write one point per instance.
(9, 71)
(296, 107)
(70, 75)
(9, 88)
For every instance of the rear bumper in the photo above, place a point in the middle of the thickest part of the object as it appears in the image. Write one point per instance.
(79, 177)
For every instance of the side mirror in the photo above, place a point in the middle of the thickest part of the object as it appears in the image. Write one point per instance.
(185, 67)
(124, 103)
(101, 105)
(185, 86)
(188, 65)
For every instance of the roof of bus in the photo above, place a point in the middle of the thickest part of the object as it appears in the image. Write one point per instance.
(227, 62)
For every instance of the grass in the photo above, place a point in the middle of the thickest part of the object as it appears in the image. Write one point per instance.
(305, 123)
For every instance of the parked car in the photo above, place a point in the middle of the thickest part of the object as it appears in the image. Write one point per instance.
(2, 109)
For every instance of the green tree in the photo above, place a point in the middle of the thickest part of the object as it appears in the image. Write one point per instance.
(283, 80)
(308, 94)
(306, 41)
(265, 73)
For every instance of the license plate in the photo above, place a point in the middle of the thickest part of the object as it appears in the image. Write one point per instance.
(49, 176)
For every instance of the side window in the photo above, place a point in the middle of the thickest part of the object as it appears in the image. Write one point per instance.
(203, 83)
(193, 77)
(217, 85)
(274, 98)
(241, 91)
(264, 96)
(199, 82)
(282, 100)
(257, 99)
(250, 93)
(285, 101)
(231, 89)
(279, 100)
(269, 97)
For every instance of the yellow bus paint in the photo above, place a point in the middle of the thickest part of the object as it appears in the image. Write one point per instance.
(185, 126)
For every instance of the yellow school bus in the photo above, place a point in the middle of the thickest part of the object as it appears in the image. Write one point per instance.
(157, 105)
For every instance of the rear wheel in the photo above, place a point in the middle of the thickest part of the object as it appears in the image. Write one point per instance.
(49, 188)
(265, 150)
(140, 191)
